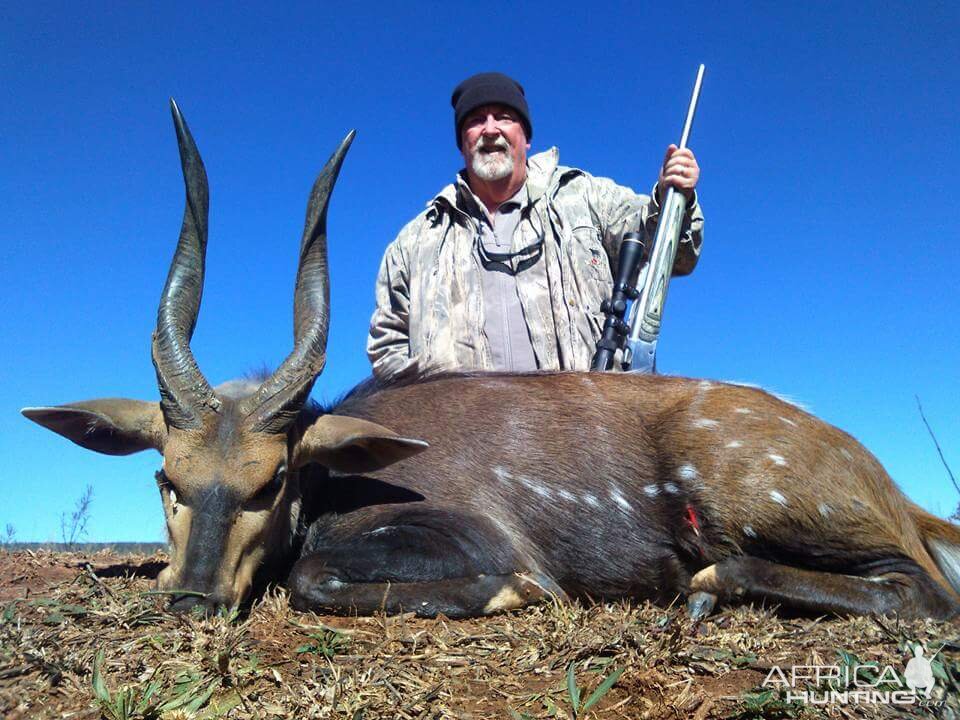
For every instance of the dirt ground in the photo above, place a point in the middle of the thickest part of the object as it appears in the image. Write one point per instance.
(81, 636)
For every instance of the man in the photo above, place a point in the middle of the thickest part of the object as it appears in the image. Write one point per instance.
(506, 268)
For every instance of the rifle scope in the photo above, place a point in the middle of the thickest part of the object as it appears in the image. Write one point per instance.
(615, 329)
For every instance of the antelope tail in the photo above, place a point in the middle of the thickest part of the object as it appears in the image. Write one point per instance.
(942, 540)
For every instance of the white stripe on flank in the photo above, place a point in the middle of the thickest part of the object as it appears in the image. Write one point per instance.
(619, 499)
(502, 473)
(536, 487)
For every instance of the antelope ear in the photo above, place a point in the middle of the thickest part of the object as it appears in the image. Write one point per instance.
(112, 426)
(348, 444)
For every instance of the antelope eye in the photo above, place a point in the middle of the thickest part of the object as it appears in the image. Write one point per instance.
(163, 482)
(276, 482)
(278, 477)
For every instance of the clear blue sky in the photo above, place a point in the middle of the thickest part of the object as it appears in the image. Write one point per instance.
(827, 134)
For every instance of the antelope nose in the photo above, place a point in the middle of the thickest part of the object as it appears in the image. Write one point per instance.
(208, 604)
(184, 603)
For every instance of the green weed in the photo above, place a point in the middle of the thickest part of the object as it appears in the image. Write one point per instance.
(326, 643)
(578, 708)
(190, 692)
(767, 704)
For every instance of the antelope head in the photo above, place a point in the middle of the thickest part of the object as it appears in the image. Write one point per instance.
(229, 482)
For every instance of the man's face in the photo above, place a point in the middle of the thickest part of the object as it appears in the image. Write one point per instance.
(494, 143)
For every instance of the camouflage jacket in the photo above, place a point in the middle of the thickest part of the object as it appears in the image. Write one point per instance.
(429, 313)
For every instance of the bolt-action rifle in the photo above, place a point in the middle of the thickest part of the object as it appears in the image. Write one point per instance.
(638, 337)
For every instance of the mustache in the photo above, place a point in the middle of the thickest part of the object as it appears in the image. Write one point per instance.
(499, 143)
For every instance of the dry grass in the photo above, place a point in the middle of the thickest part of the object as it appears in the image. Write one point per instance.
(81, 637)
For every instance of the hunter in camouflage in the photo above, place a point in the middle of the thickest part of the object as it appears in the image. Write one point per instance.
(506, 268)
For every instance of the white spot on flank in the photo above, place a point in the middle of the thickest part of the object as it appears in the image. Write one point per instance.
(502, 473)
(734, 444)
(651, 490)
(536, 487)
(824, 509)
(619, 499)
(566, 495)
(749, 531)
(778, 497)
(743, 411)
(687, 472)
(705, 423)
(777, 459)
(670, 488)
(591, 499)
(788, 421)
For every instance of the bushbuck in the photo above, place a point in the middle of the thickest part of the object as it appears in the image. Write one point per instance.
(467, 494)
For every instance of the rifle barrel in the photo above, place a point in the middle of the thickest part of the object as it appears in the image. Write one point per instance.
(640, 351)
(692, 109)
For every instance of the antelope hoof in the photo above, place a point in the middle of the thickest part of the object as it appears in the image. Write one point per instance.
(706, 581)
(700, 605)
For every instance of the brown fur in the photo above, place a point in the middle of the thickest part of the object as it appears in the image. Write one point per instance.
(767, 478)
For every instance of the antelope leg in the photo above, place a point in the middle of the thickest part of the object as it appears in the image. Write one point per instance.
(454, 597)
(422, 561)
(908, 590)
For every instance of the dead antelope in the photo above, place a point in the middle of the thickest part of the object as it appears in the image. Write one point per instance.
(470, 494)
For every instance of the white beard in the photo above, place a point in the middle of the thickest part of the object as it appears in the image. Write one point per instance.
(492, 167)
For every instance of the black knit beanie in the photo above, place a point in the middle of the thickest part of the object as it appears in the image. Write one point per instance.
(489, 88)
